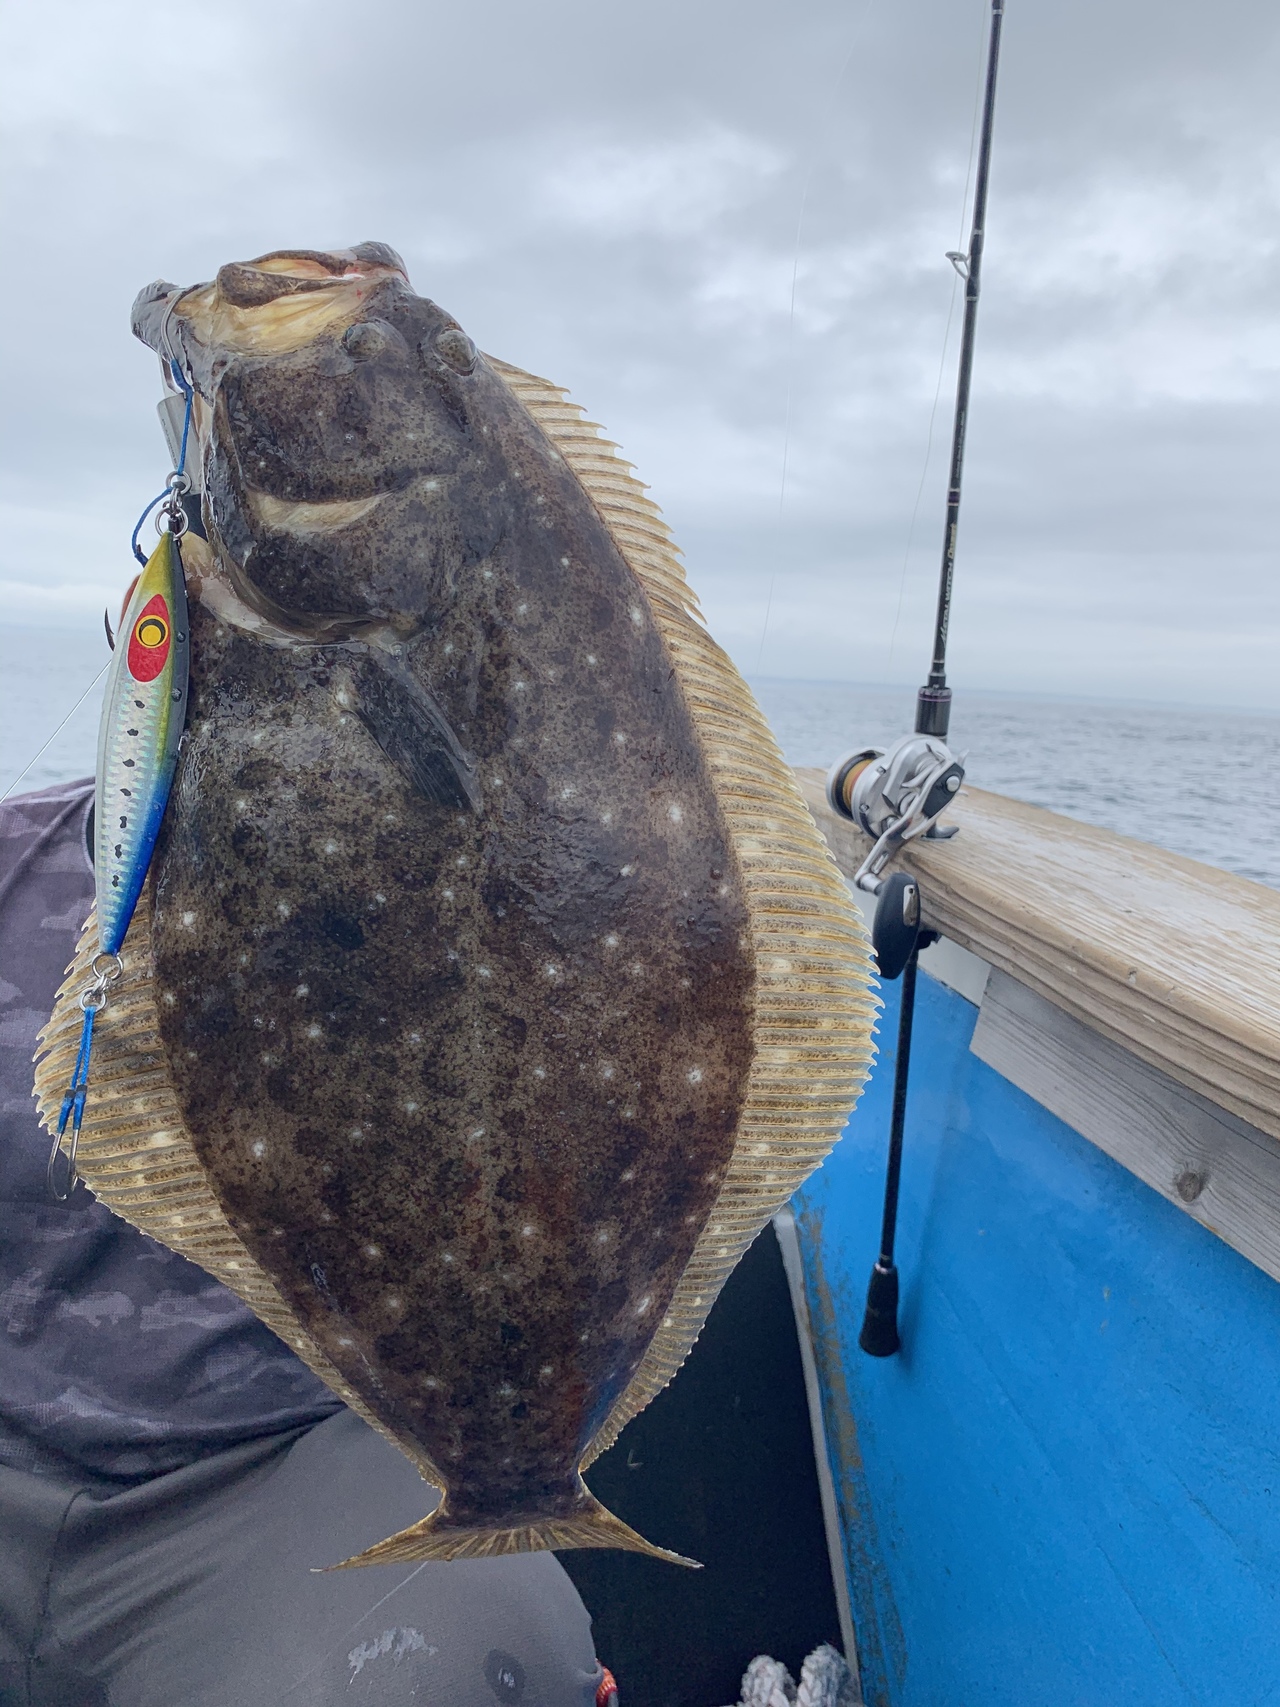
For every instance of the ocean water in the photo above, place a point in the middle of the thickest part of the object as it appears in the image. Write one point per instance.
(1201, 782)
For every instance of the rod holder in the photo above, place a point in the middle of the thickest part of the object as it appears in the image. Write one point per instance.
(879, 1336)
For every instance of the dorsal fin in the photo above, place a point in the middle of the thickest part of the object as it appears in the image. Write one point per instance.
(814, 1004)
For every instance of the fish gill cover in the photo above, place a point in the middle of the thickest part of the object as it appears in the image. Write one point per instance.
(491, 986)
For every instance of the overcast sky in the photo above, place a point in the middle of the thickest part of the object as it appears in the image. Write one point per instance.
(723, 227)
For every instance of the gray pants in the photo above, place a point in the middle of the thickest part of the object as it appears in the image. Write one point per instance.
(196, 1589)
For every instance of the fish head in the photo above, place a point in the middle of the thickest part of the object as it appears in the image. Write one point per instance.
(325, 390)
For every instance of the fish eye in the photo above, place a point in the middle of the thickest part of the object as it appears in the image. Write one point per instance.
(367, 338)
(456, 350)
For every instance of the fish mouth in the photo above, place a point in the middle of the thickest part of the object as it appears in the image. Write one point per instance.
(275, 303)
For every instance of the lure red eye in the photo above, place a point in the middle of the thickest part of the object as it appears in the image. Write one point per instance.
(149, 641)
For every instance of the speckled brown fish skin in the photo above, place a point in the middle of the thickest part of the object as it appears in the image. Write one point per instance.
(451, 944)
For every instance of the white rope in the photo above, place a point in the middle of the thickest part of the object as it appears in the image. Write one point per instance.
(825, 1681)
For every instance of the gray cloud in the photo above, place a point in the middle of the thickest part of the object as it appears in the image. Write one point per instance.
(614, 200)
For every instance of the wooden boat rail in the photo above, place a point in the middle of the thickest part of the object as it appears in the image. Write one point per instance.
(1177, 962)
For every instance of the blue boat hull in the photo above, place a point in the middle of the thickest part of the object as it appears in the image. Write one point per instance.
(1066, 1488)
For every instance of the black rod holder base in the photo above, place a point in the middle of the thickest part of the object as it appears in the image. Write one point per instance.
(879, 1336)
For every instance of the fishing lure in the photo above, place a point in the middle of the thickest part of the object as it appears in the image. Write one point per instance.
(143, 712)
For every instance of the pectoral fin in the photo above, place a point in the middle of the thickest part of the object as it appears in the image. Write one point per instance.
(411, 729)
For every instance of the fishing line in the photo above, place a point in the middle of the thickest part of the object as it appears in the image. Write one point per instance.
(791, 317)
(946, 338)
(38, 756)
(168, 492)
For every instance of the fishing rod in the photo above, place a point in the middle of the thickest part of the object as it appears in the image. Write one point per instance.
(898, 795)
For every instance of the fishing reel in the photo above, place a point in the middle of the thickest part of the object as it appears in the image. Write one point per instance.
(894, 796)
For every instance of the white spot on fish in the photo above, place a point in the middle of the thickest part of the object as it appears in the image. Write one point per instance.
(602, 1237)
(303, 990)
(411, 1108)
(627, 1175)
(283, 908)
(620, 737)
(592, 659)
(636, 969)
(675, 813)
(446, 1256)
(606, 1072)
(331, 847)
(686, 983)
(345, 1341)
(723, 889)
(448, 894)
(539, 1072)
(695, 1075)
(521, 686)
(242, 805)
(258, 1148)
(551, 971)
(637, 615)
(627, 871)
(448, 647)
(486, 574)
(759, 1149)
(643, 1305)
(169, 998)
(564, 562)
(568, 791)
(476, 1132)
(415, 1037)
(689, 1220)
(343, 697)
(313, 1031)
(429, 1381)
(606, 817)
(393, 1303)
(244, 960)
(483, 972)
(380, 899)
(357, 1132)
(611, 941)
(528, 1231)
(188, 919)
(429, 485)
(373, 1250)
(461, 860)
(547, 1369)
(628, 1114)
(495, 781)
(390, 818)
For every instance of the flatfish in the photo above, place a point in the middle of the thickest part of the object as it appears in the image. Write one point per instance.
(491, 986)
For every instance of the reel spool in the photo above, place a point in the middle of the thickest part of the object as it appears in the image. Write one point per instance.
(894, 795)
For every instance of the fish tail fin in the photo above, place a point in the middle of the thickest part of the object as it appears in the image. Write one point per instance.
(442, 1537)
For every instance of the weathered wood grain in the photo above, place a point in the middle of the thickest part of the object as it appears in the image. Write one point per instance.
(1214, 1166)
(1176, 962)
